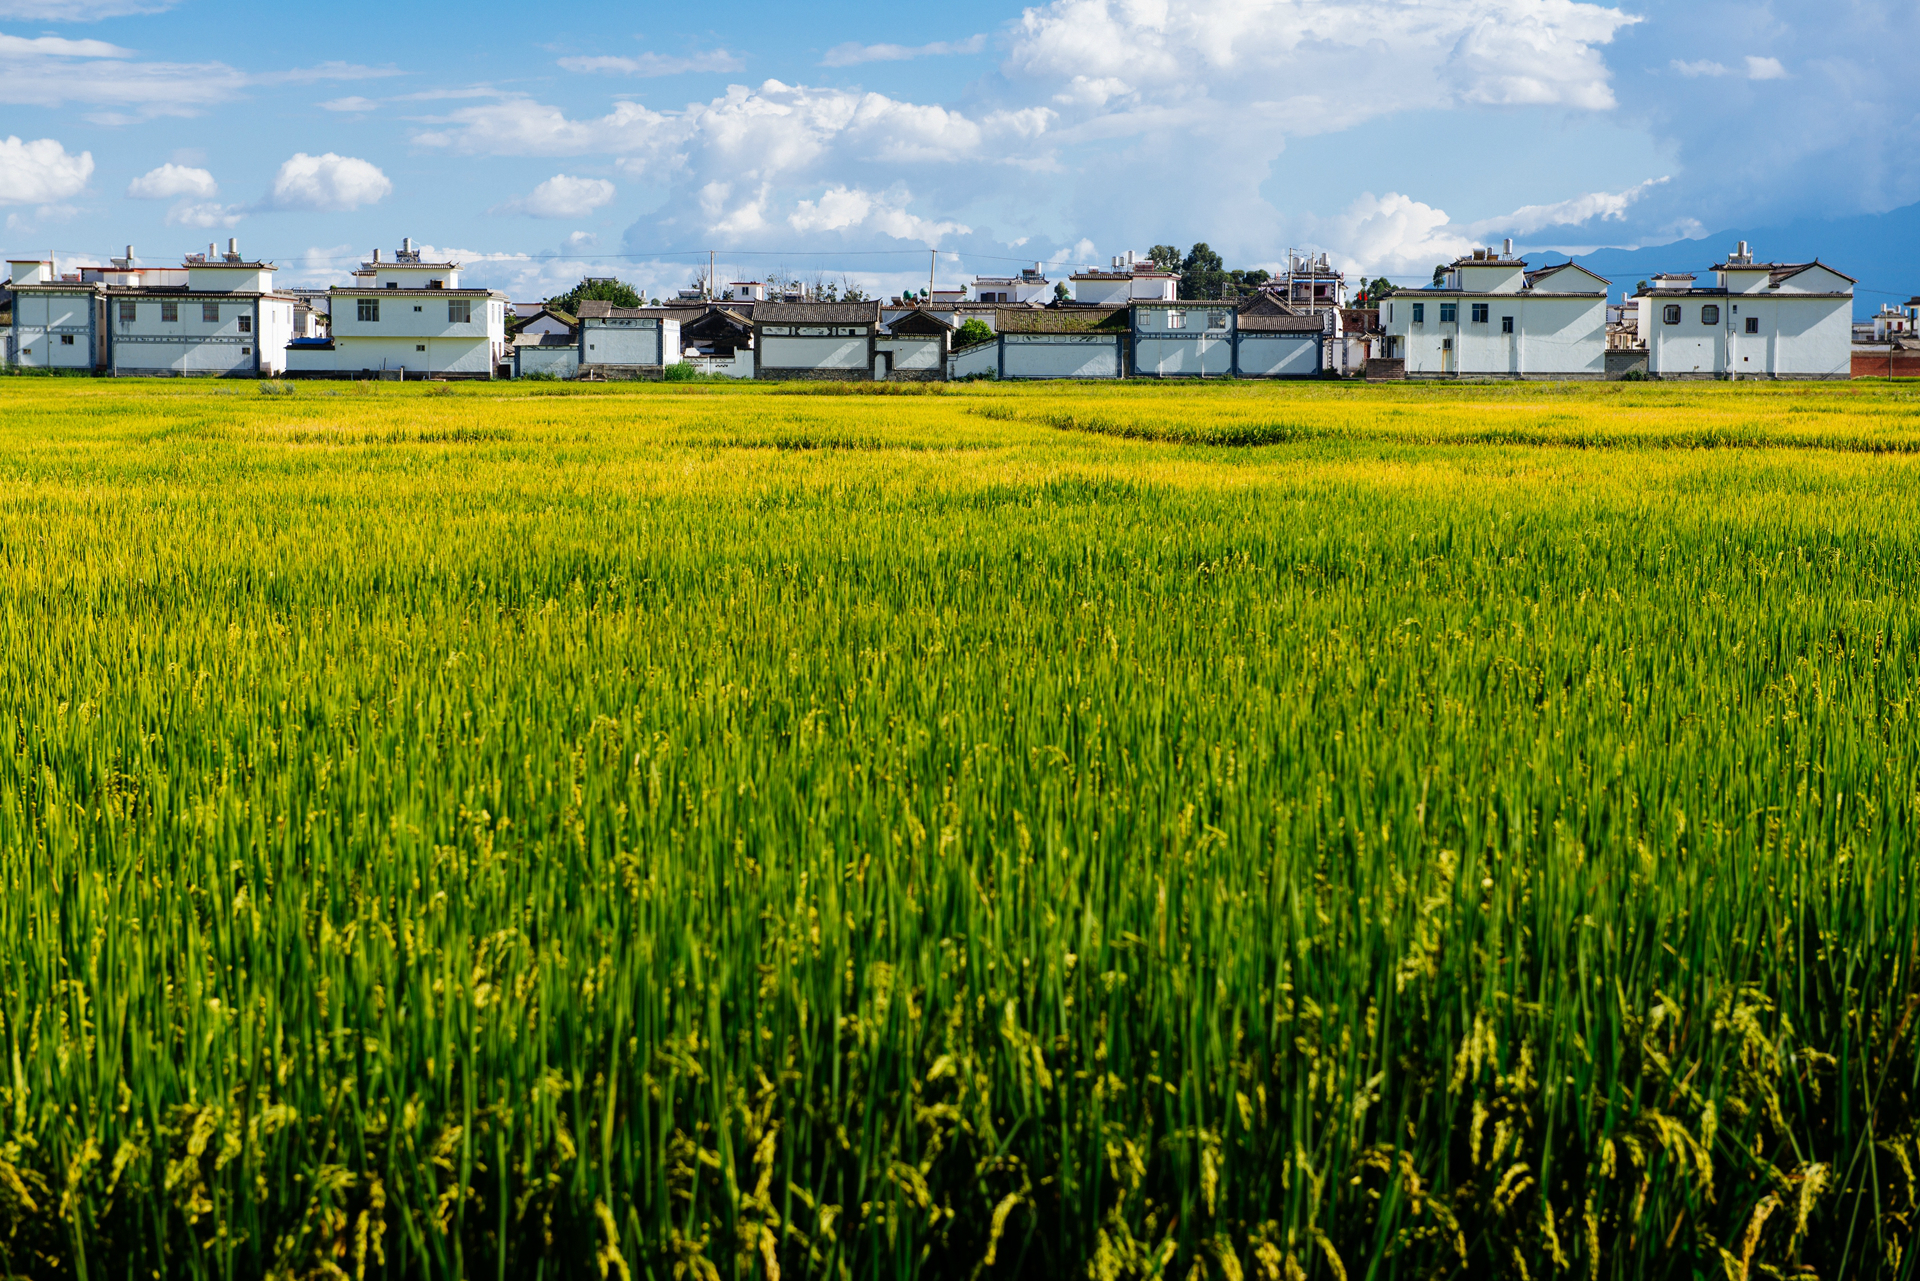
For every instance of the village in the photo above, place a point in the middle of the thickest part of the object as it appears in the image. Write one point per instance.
(1488, 315)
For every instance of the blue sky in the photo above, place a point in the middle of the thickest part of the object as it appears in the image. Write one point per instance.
(848, 140)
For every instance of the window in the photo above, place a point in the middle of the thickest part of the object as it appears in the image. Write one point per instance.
(169, 312)
(1419, 313)
(393, 284)
(1449, 313)
(246, 351)
(66, 340)
(127, 312)
(459, 311)
(416, 309)
(1176, 320)
(1216, 320)
(1671, 314)
(1389, 313)
(210, 312)
(419, 346)
(1506, 324)
(369, 309)
(1709, 315)
(436, 284)
(1753, 324)
(246, 324)
(1446, 344)
(1480, 313)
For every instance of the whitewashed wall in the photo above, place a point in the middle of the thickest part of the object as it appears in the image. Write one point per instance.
(628, 342)
(911, 352)
(1279, 355)
(778, 352)
(1199, 356)
(40, 320)
(1060, 356)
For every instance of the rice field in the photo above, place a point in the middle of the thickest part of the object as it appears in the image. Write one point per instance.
(1229, 832)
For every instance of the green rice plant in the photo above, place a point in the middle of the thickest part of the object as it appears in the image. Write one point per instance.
(1141, 831)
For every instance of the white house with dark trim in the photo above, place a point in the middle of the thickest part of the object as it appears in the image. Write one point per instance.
(913, 348)
(1183, 339)
(407, 318)
(819, 340)
(1757, 320)
(57, 324)
(223, 320)
(1130, 279)
(1490, 317)
(629, 342)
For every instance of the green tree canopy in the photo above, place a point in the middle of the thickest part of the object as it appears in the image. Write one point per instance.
(1165, 257)
(599, 289)
(972, 334)
(1202, 274)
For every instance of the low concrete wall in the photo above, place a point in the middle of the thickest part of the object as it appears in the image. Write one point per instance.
(1386, 369)
(816, 375)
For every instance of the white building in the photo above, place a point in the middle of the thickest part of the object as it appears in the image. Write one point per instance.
(57, 324)
(819, 340)
(1492, 318)
(1757, 320)
(223, 319)
(1893, 322)
(1131, 279)
(410, 319)
(1310, 282)
(1030, 286)
(629, 342)
(913, 348)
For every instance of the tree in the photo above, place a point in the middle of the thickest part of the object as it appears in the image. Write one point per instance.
(1372, 293)
(1202, 274)
(597, 289)
(1440, 273)
(1246, 283)
(1165, 257)
(972, 334)
(1061, 293)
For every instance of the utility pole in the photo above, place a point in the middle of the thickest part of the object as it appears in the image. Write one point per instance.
(709, 275)
(933, 258)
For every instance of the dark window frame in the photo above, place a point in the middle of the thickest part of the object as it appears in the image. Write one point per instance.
(1710, 314)
(1753, 324)
(368, 312)
(1449, 313)
(1480, 313)
(1670, 314)
(1506, 324)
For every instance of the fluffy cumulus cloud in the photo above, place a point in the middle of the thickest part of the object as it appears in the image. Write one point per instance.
(327, 182)
(171, 180)
(41, 172)
(563, 196)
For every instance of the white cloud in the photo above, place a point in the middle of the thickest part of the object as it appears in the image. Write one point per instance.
(1393, 235)
(1396, 235)
(78, 10)
(1604, 206)
(351, 103)
(327, 182)
(208, 214)
(51, 71)
(852, 53)
(563, 196)
(655, 64)
(172, 180)
(845, 209)
(1757, 68)
(1190, 56)
(40, 172)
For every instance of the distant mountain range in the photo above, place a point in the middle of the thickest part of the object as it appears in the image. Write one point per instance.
(1881, 251)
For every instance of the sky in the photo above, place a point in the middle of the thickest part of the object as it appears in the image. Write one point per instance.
(877, 143)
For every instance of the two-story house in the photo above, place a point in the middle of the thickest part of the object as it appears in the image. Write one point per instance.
(408, 318)
(1131, 279)
(1756, 320)
(216, 316)
(57, 324)
(1490, 317)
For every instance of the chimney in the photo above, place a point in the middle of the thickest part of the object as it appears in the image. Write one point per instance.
(1507, 250)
